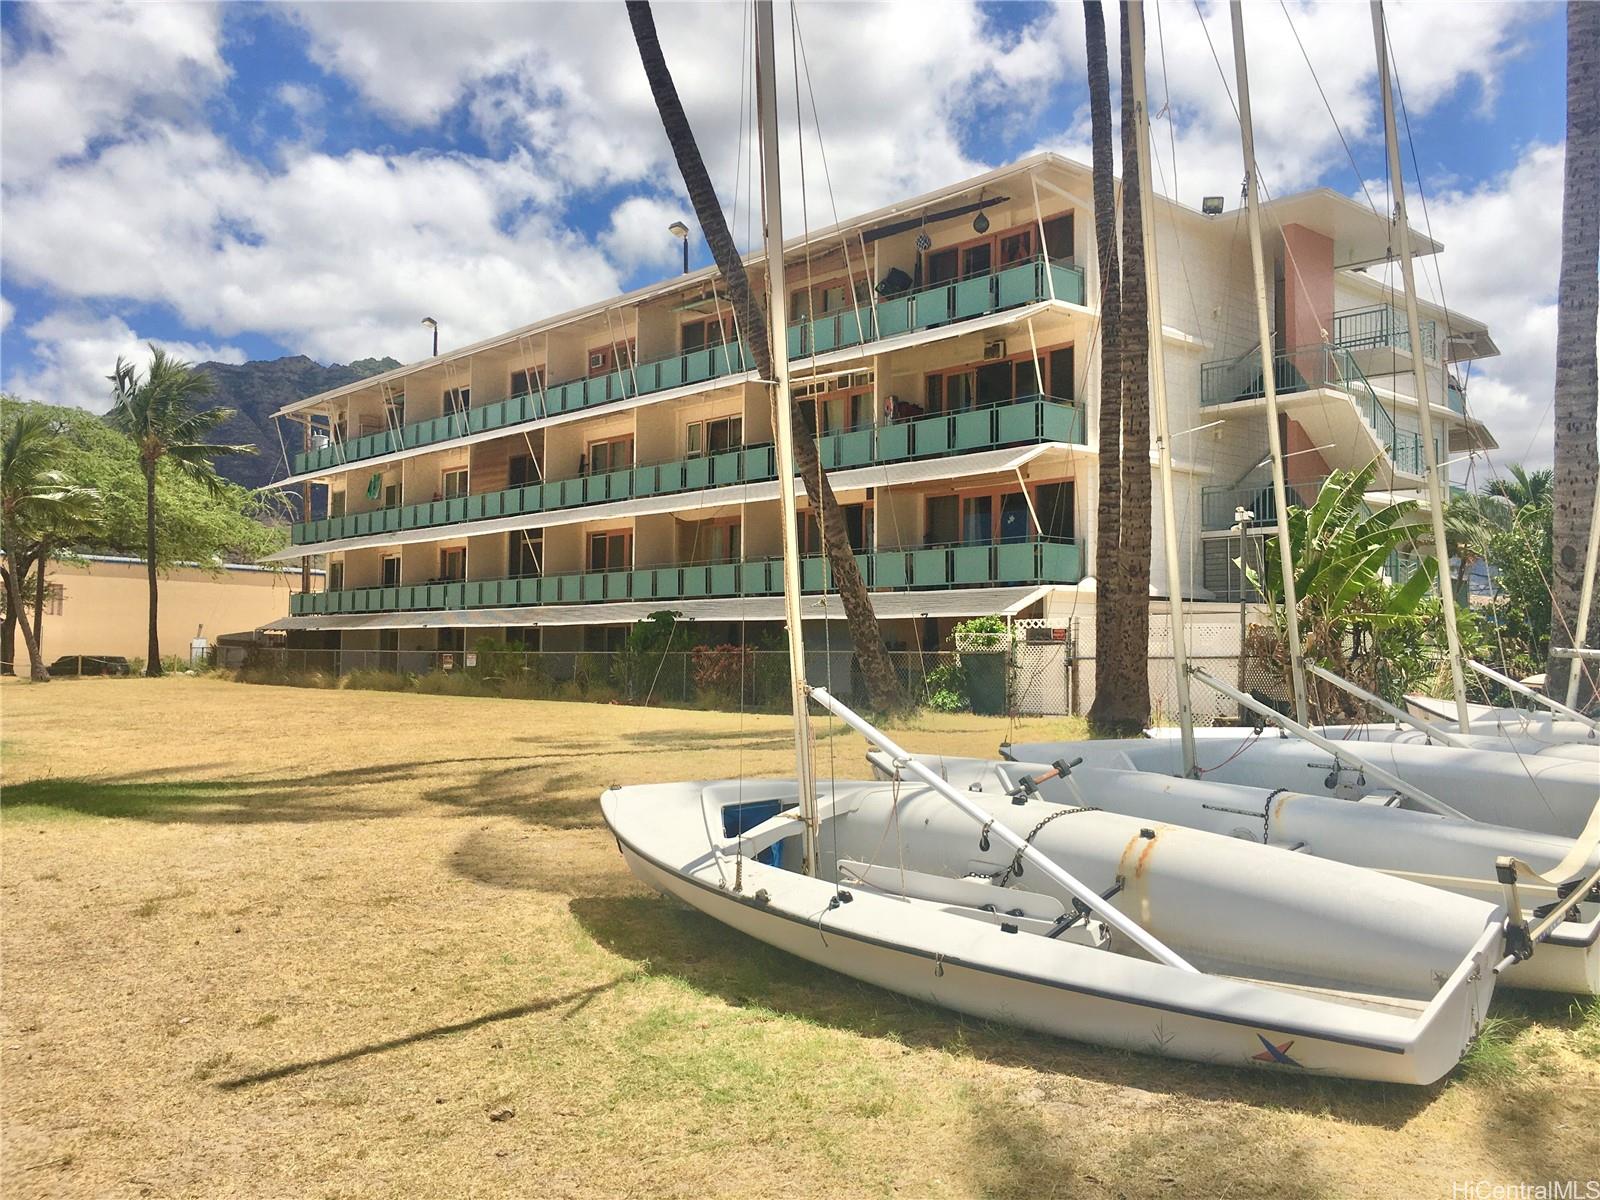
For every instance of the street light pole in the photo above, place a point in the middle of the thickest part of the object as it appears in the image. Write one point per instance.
(681, 231)
(1242, 520)
(434, 325)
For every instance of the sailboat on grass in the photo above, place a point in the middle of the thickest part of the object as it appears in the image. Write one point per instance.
(1068, 920)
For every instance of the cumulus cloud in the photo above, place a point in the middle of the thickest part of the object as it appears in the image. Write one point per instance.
(74, 352)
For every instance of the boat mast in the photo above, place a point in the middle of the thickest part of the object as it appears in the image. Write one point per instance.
(1269, 383)
(1458, 683)
(783, 420)
(1158, 392)
(1585, 600)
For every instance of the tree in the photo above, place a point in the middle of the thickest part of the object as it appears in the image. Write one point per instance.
(883, 687)
(157, 413)
(40, 507)
(1577, 460)
(1350, 616)
(1105, 712)
(1471, 521)
(1524, 488)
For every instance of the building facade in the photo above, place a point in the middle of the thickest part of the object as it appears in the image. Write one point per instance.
(553, 485)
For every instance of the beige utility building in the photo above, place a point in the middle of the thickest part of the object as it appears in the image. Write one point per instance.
(99, 605)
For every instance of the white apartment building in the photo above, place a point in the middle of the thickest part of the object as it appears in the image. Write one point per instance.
(559, 482)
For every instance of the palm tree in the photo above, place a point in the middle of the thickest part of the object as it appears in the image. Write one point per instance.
(1109, 677)
(1471, 522)
(40, 508)
(883, 688)
(1577, 461)
(1525, 489)
(1133, 633)
(157, 411)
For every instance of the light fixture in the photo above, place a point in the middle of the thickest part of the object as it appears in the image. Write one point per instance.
(1211, 206)
(434, 325)
(980, 223)
(681, 231)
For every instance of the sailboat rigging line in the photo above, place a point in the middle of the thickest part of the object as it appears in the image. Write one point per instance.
(1360, 177)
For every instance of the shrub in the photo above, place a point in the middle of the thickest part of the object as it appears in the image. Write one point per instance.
(722, 673)
(452, 683)
(379, 681)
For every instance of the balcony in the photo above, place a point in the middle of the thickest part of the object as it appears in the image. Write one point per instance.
(1217, 504)
(1381, 327)
(1022, 283)
(1028, 420)
(1038, 561)
(1310, 368)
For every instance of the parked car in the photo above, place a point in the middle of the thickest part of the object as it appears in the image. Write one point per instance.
(71, 665)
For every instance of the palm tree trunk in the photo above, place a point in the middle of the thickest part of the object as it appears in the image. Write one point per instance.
(1578, 301)
(1108, 510)
(14, 605)
(1134, 627)
(39, 590)
(8, 641)
(883, 687)
(152, 663)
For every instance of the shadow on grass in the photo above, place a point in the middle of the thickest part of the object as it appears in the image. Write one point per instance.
(578, 1000)
(669, 939)
(323, 796)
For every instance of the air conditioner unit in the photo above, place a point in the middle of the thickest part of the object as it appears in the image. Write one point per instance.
(597, 359)
(993, 350)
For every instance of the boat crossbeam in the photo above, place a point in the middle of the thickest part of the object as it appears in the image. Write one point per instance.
(1341, 751)
(1523, 689)
(1025, 850)
(1433, 732)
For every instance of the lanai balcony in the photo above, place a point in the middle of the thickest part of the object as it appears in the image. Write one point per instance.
(1030, 282)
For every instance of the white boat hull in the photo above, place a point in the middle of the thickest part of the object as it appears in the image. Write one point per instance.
(1088, 992)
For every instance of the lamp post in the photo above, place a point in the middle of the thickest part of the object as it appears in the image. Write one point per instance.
(433, 325)
(681, 231)
(1243, 518)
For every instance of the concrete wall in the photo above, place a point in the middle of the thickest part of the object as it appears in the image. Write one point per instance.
(104, 607)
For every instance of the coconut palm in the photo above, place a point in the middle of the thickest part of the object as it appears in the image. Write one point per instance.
(1525, 489)
(1105, 714)
(158, 412)
(40, 509)
(1471, 522)
(883, 688)
(1578, 304)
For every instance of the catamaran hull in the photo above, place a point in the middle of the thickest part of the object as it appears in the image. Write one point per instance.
(1068, 990)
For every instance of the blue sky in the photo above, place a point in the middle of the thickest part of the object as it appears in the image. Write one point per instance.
(250, 180)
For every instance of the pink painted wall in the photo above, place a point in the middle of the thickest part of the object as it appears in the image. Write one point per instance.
(1308, 287)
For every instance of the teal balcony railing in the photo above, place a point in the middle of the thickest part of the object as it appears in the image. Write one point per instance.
(1381, 326)
(1226, 381)
(1455, 397)
(1021, 283)
(1021, 422)
(1026, 562)
(1218, 504)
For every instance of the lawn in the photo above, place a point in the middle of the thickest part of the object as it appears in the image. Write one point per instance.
(269, 942)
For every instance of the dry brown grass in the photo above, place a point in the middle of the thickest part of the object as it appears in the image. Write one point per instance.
(264, 942)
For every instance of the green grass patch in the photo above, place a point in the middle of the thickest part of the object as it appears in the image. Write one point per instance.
(57, 799)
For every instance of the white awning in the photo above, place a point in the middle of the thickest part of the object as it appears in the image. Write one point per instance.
(927, 470)
(959, 602)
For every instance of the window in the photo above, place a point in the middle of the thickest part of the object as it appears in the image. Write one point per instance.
(836, 413)
(709, 541)
(391, 570)
(611, 454)
(336, 576)
(395, 410)
(706, 333)
(1054, 502)
(610, 551)
(453, 484)
(55, 599)
(1058, 238)
(520, 471)
(976, 260)
(453, 563)
(942, 266)
(713, 436)
(525, 553)
(977, 519)
(858, 523)
(943, 523)
(1016, 247)
(457, 400)
(391, 495)
(599, 362)
(389, 640)
(1062, 384)
(336, 504)
(527, 381)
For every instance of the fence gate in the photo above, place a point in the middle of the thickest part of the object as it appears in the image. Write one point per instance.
(1044, 669)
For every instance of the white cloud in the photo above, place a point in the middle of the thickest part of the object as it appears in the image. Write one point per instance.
(638, 233)
(73, 353)
(7, 311)
(1502, 255)
(74, 73)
